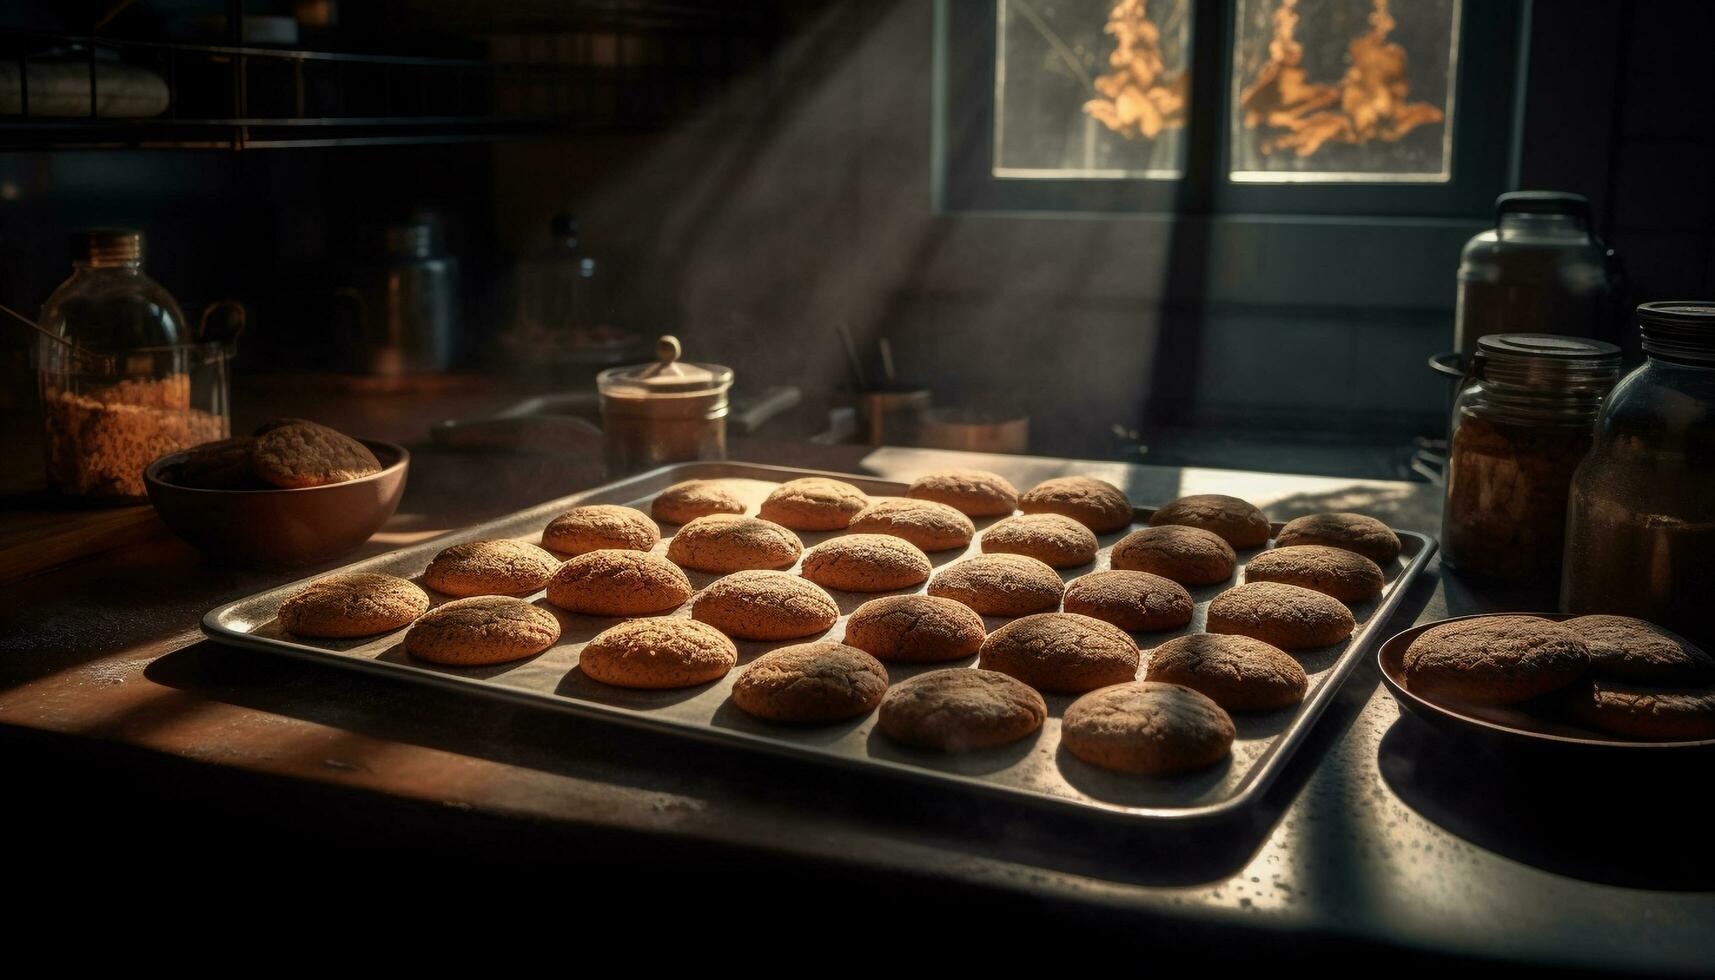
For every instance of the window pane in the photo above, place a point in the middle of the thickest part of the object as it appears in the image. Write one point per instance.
(1353, 90)
(1091, 88)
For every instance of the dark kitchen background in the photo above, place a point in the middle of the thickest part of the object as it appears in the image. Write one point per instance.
(753, 175)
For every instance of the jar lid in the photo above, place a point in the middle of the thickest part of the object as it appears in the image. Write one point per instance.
(666, 376)
(1550, 345)
(1680, 329)
(1543, 202)
(1546, 361)
(108, 246)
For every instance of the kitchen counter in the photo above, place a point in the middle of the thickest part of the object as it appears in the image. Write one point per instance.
(1380, 831)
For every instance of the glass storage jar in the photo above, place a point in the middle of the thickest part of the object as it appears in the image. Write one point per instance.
(670, 411)
(1640, 538)
(1521, 424)
(126, 382)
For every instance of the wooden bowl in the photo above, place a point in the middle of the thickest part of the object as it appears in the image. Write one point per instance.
(281, 527)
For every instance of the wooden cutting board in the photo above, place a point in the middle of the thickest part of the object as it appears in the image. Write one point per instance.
(34, 536)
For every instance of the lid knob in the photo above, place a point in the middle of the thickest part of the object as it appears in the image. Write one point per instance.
(667, 349)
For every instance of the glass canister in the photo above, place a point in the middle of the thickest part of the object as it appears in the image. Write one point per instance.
(126, 381)
(665, 412)
(1521, 425)
(1640, 537)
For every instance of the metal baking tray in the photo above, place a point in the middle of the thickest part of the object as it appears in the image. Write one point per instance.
(1034, 771)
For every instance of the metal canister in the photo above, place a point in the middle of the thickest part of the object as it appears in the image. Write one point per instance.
(1541, 269)
(666, 412)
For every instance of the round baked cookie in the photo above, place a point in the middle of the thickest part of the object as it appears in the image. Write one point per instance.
(1148, 728)
(600, 527)
(1289, 616)
(757, 605)
(1053, 539)
(352, 604)
(1239, 523)
(866, 563)
(684, 502)
(959, 709)
(924, 523)
(657, 653)
(1493, 660)
(1061, 652)
(810, 684)
(222, 465)
(1134, 601)
(304, 454)
(731, 543)
(814, 503)
(1345, 575)
(977, 493)
(1187, 555)
(1665, 713)
(481, 630)
(1096, 504)
(1353, 532)
(1239, 673)
(1626, 648)
(915, 629)
(497, 567)
(615, 582)
(1000, 585)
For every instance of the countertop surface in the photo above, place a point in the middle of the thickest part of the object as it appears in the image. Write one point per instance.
(1380, 830)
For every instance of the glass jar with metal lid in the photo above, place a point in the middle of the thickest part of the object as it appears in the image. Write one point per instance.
(1640, 538)
(1521, 424)
(666, 412)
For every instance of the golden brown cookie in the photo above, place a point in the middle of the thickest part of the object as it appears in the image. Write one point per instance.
(1135, 601)
(1345, 575)
(1148, 728)
(1625, 648)
(924, 523)
(616, 582)
(352, 604)
(304, 454)
(978, 493)
(915, 629)
(223, 465)
(481, 630)
(1062, 652)
(1663, 713)
(1493, 660)
(757, 605)
(1353, 532)
(658, 653)
(600, 527)
(1289, 616)
(497, 567)
(1238, 522)
(1238, 672)
(961, 709)
(866, 563)
(1096, 504)
(814, 503)
(684, 502)
(1053, 539)
(811, 684)
(731, 543)
(1000, 585)
(1187, 555)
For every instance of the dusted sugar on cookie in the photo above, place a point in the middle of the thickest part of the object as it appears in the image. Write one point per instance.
(1000, 585)
(866, 563)
(658, 653)
(1061, 652)
(600, 527)
(1637, 711)
(1345, 575)
(811, 683)
(352, 604)
(1626, 648)
(303, 454)
(730, 543)
(1239, 523)
(915, 629)
(757, 605)
(1135, 601)
(1147, 728)
(959, 710)
(498, 567)
(482, 630)
(1239, 673)
(684, 502)
(1096, 504)
(814, 504)
(977, 493)
(1187, 555)
(928, 525)
(1353, 532)
(1289, 616)
(1053, 539)
(618, 583)
(1493, 660)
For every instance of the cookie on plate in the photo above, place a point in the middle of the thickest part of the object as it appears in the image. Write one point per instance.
(1061, 652)
(600, 527)
(1053, 539)
(731, 543)
(1134, 601)
(496, 567)
(1353, 532)
(658, 653)
(1493, 660)
(303, 454)
(758, 605)
(977, 493)
(1187, 555)
(352, 604)
(684, 502)
(866, 563)
(1626, 648)
(810, 684)
(814, 503)
(928, 525)
(1289, 616)
(1238, 672)
(1345, 575)
(960, 710)
(1147, 728)
(1664, 713)
(616, 582)
(1096, 504)
(1000, 585)
(222, 465)
(482, 630)
(1239, 523)
(915, 629)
